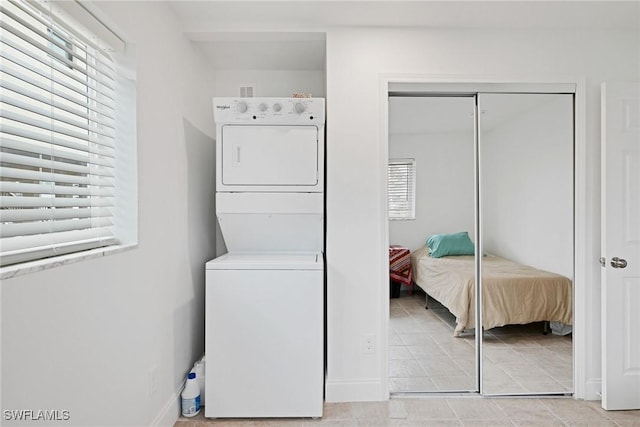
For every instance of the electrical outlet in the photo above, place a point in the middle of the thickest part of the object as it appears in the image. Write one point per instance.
(369, 344)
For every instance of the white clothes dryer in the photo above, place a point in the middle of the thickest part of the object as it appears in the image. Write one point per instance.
(269, 144)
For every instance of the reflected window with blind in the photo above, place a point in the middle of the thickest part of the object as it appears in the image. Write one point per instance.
(57, 129)
(401, 189)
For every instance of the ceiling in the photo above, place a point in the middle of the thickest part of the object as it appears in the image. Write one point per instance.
(267, 34)
(318, 15)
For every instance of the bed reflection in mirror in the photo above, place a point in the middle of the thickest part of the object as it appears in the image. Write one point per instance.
(516, 175)
(526, 199)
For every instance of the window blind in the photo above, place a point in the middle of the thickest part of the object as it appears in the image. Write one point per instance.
(402, 189)
(57, 137)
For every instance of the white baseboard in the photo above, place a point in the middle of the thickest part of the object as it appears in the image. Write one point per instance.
(593, 389)
(170, 412)
(354, 390)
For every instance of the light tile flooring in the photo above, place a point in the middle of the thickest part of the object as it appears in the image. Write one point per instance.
(450, 411)
(524, 358)
(424, 355)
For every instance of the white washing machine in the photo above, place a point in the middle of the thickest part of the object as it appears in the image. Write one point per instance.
(264, 313)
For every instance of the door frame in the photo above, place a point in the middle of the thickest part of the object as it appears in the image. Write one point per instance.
(456, 84)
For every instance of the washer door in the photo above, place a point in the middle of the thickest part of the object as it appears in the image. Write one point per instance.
(270, 155)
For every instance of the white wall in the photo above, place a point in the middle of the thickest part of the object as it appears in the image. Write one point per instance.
(356, 218)
(527, 179)
(280, 83)
(96, 337)
(444, 185)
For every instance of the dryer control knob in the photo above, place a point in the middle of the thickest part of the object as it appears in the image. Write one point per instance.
(242, 107)
(299, 107)
(262, 107)
(277, 107)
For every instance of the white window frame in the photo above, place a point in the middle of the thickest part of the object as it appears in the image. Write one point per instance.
(60, 146)
(401, 189)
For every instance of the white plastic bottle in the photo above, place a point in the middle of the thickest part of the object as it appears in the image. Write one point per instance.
(191, 396)
(199, 370)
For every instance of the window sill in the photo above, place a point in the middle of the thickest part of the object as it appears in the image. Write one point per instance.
(45, 264)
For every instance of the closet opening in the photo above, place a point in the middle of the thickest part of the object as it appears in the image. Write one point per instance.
(489, 173)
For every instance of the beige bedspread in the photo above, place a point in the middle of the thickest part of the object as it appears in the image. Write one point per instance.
(513, 293)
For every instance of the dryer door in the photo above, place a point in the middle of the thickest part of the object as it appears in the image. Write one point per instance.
(270, 156)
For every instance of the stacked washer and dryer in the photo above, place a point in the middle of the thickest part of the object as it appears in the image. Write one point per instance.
(264, 313)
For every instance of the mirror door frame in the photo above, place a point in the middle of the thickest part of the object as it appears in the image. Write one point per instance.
(459, 85)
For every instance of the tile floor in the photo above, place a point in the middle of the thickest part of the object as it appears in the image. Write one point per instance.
(522, 359)
(424, 355)
(449, 411)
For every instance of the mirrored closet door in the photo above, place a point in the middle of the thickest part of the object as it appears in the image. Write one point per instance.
(526, 197)
(503, 161)
(431, 194)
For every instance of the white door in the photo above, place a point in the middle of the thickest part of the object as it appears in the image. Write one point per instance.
(270, 155)
(621, 246)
